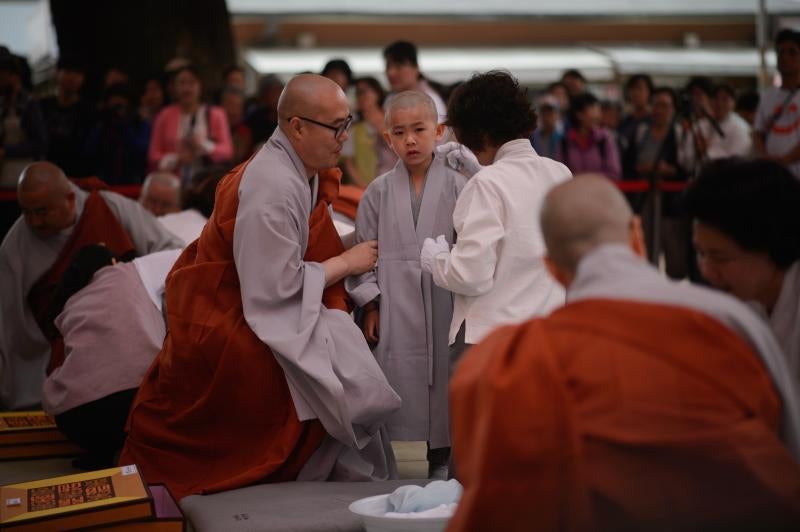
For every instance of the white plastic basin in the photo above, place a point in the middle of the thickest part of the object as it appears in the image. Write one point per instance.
(372, 510)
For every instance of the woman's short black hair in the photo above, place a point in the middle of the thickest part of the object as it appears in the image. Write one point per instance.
(490, 107)
(375, 85)
(669, 92)
(636, 78)
(401, 52)
(754, 202)
(787, 34)
(578, 103)
(338, 65)
(703, 83)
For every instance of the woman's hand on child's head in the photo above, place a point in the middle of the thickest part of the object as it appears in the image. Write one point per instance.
(361, 258)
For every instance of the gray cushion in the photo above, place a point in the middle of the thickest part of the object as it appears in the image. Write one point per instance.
(285, 507)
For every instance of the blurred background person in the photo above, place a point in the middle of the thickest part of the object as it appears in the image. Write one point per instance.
(733, 137)
(339, 72)
(777, 124)
(402, 71)
(161, 193)
(197, 204)
(548, 135)
(233, 76)
(171, 70)
(366, 154)
(638, 91)
(559, 91)
(151, 101)
(116, 75)
(117, 145)
(263, 118)
(610, 118)
(23, 138)
(232, 101)
(189, 135)
(574, 81)
(588, 147)
(69, 119)
(655, 151)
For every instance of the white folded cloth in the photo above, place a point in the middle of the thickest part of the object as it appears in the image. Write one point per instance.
(408, 499)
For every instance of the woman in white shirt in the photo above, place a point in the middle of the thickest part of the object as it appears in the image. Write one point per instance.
(495, 269)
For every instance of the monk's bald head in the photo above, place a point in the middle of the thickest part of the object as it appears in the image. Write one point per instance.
(582, 214)
(307, 95)
(43, 174)
(46, 199)
(314, 115)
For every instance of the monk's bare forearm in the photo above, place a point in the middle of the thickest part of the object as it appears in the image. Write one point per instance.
(336, 269)
(357, 260)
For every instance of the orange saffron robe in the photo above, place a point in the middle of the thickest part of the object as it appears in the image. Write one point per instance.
(214, 411)
(619, 415)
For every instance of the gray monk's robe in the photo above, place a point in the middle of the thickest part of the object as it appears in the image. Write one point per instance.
(332, 375)
(785, 319)
(614, 272)
(24, 258)
(415, 314)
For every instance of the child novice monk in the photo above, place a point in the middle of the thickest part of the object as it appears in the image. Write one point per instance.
(406, 316)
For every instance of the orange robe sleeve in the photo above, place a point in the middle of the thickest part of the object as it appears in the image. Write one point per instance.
(614, 415)
(347, 200)
(214, 372)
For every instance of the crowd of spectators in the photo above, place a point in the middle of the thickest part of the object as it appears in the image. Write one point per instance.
(173, 123)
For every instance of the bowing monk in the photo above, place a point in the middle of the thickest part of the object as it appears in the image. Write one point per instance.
(58, 219)
(642, 404)
(263, 376)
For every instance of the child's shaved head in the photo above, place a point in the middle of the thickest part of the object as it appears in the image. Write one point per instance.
(409, 100)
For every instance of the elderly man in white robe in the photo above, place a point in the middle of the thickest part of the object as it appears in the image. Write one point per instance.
(57, 218)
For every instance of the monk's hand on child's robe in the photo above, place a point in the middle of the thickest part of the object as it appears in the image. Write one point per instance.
(460, 158)
(361, 258)
(430, 249)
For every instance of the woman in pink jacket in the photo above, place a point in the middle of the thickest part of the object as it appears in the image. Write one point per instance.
(189, 135)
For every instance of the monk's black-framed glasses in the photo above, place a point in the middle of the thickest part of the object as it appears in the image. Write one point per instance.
(339, 130)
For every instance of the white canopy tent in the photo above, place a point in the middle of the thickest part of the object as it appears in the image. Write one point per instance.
(533, 8)
(533, 66)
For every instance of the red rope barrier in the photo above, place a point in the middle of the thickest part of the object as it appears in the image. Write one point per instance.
(129, 191)
(642, 185)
